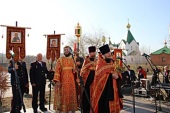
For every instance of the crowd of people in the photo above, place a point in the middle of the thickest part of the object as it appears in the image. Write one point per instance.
(92, 84)
(129, 77)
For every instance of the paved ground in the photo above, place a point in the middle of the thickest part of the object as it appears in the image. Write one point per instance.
(142, 105)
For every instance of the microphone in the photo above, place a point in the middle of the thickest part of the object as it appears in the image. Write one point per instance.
(12, 53)
(145, 55)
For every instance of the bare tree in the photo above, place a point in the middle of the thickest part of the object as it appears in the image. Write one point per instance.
(145, 49)
(86, 40)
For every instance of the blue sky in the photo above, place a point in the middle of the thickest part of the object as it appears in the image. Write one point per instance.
(149, 19)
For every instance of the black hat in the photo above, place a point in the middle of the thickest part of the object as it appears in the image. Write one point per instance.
(104, 49)
(139, 67)
(92, 49)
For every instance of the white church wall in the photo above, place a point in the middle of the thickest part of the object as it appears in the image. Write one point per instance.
(135, 59)
(133, 46)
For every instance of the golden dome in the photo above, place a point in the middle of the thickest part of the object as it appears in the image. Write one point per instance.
(128, 26)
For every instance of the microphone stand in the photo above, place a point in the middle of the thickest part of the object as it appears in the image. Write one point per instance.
(82, 87)
(18, 85)
(159, 82)
(132, 85)
(156, 73)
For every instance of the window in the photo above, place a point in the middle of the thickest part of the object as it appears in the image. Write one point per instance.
(163, 59)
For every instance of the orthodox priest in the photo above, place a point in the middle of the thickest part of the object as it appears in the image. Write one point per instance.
(88, 72)
(107, 96)
(65, 99)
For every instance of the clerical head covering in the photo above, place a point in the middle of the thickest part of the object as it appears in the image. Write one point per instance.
(92, 49)
(104, 49)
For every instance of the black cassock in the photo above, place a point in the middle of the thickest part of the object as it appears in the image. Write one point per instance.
(108, 95)
(89, 81)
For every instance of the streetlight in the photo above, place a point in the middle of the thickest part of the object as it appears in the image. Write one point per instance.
(78, 32)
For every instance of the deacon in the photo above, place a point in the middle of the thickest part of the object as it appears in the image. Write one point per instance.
(88, 72)
(107, 96)
(22, 75)
(166, 75)
(38, 71)
(65, 98)
(79, 62)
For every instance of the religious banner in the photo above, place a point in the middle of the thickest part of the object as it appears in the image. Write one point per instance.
(53, 47)
(15, 42)
(117, 56)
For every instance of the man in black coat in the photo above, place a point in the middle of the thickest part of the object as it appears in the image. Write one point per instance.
(166, 78)
(166, 75)
(38, 71)
(22, 75)
(129, 76)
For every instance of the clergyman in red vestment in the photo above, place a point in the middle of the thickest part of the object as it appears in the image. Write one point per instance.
(107, 96)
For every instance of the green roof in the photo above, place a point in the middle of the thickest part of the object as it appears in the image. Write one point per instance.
(165, 50)
(130, 37)
(124, 41)
(115, 45)
(110, 43)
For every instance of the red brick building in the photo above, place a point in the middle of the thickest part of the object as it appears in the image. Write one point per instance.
(161, 57)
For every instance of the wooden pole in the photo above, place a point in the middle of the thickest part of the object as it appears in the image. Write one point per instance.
(15, 26)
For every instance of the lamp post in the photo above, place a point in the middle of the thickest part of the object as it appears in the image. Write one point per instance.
(78, 32)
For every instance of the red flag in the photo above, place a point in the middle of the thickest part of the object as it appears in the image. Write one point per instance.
(75, 48)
